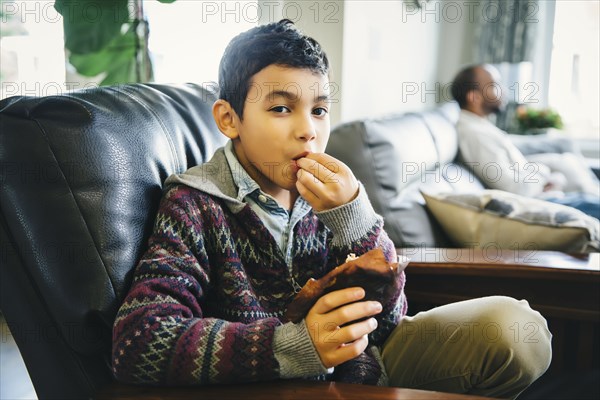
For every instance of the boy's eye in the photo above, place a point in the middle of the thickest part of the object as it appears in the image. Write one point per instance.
(280, 109)
(320, 111)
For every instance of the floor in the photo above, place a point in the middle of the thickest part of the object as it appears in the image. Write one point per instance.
(14, 380)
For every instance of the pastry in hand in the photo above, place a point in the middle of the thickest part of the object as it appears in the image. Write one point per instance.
(371, 271)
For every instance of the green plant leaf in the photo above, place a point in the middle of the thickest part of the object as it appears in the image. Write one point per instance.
(118, 52)
(124, 73)
(97, 44)
(118, 60)
(89, 25)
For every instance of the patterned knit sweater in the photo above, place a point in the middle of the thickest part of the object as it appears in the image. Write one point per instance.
(207, 297)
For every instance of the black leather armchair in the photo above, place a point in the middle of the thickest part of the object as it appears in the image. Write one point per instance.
(81, 177)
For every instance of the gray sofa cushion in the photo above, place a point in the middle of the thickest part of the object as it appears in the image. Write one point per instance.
(536, 144)
(396, 156)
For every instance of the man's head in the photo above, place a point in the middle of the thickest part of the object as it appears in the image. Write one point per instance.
(274, 103)
(278, 43)
(477, 89)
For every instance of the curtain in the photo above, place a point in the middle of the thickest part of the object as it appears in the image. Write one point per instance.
(506, 30)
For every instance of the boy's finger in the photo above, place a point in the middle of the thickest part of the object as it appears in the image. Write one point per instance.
(355, 311)
(329, 162)
(352, 332)
(306, 194)
(323, 169)
(353, 349)
(338, 298)
(311, 182)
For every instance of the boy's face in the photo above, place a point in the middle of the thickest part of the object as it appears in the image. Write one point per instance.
(286, 116)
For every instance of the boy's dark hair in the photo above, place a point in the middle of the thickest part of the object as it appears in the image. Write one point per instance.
(277, 43)
(464, 82)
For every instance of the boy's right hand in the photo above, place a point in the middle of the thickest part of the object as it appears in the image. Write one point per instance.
(328, 321)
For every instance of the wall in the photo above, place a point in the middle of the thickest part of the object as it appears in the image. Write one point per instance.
(383, 53)
(389, 57)
(322, 20)
(457, 46)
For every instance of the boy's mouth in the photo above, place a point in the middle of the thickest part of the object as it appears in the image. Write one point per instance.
(299, 156)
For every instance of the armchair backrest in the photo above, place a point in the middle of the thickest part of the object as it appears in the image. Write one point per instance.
(81, 177)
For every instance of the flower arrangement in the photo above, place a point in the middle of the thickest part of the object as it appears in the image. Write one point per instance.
(531, 119)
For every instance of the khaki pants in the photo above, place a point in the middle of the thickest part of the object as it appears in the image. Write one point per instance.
(492, 346)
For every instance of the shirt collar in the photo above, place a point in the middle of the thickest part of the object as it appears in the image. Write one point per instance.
(471, 115)
(242, 180)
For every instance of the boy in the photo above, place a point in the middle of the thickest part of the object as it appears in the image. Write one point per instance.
(236, 237)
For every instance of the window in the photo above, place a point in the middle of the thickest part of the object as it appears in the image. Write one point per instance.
(31, 49)
(187, 38)
(574, 71)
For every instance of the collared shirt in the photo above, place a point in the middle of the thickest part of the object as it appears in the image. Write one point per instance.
(277, 219)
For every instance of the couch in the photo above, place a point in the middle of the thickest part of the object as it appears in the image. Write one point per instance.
(395, 157)
(399, 157)
(81, 177)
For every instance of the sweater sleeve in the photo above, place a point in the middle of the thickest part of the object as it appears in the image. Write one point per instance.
(356, 228)
(161, 334)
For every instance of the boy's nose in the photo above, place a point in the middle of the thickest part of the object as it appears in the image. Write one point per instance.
(306, 130)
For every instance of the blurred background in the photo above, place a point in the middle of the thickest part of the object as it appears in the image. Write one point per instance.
(387, 56)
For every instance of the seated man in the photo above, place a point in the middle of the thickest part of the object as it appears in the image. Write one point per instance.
(495, 160)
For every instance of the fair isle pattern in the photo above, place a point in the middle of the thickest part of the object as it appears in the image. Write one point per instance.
(206, 366)
(360, 371)
(135, 304)
(209, 292)
(162, 339)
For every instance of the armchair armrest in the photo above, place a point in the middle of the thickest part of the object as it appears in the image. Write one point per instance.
(291, 389)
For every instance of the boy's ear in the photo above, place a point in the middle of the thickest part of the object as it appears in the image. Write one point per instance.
(226, 118)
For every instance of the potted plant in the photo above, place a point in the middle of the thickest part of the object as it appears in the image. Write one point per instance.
(532, 121)
(108, 37)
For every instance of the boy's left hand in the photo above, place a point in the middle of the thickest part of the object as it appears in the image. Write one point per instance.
(325, 182)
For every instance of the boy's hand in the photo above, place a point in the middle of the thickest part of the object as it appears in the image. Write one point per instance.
(336, 344)
(325, 182)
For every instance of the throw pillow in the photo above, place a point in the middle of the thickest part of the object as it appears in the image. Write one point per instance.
(509, 221)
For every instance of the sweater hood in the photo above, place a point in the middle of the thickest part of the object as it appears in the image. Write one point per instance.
(213, 177)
